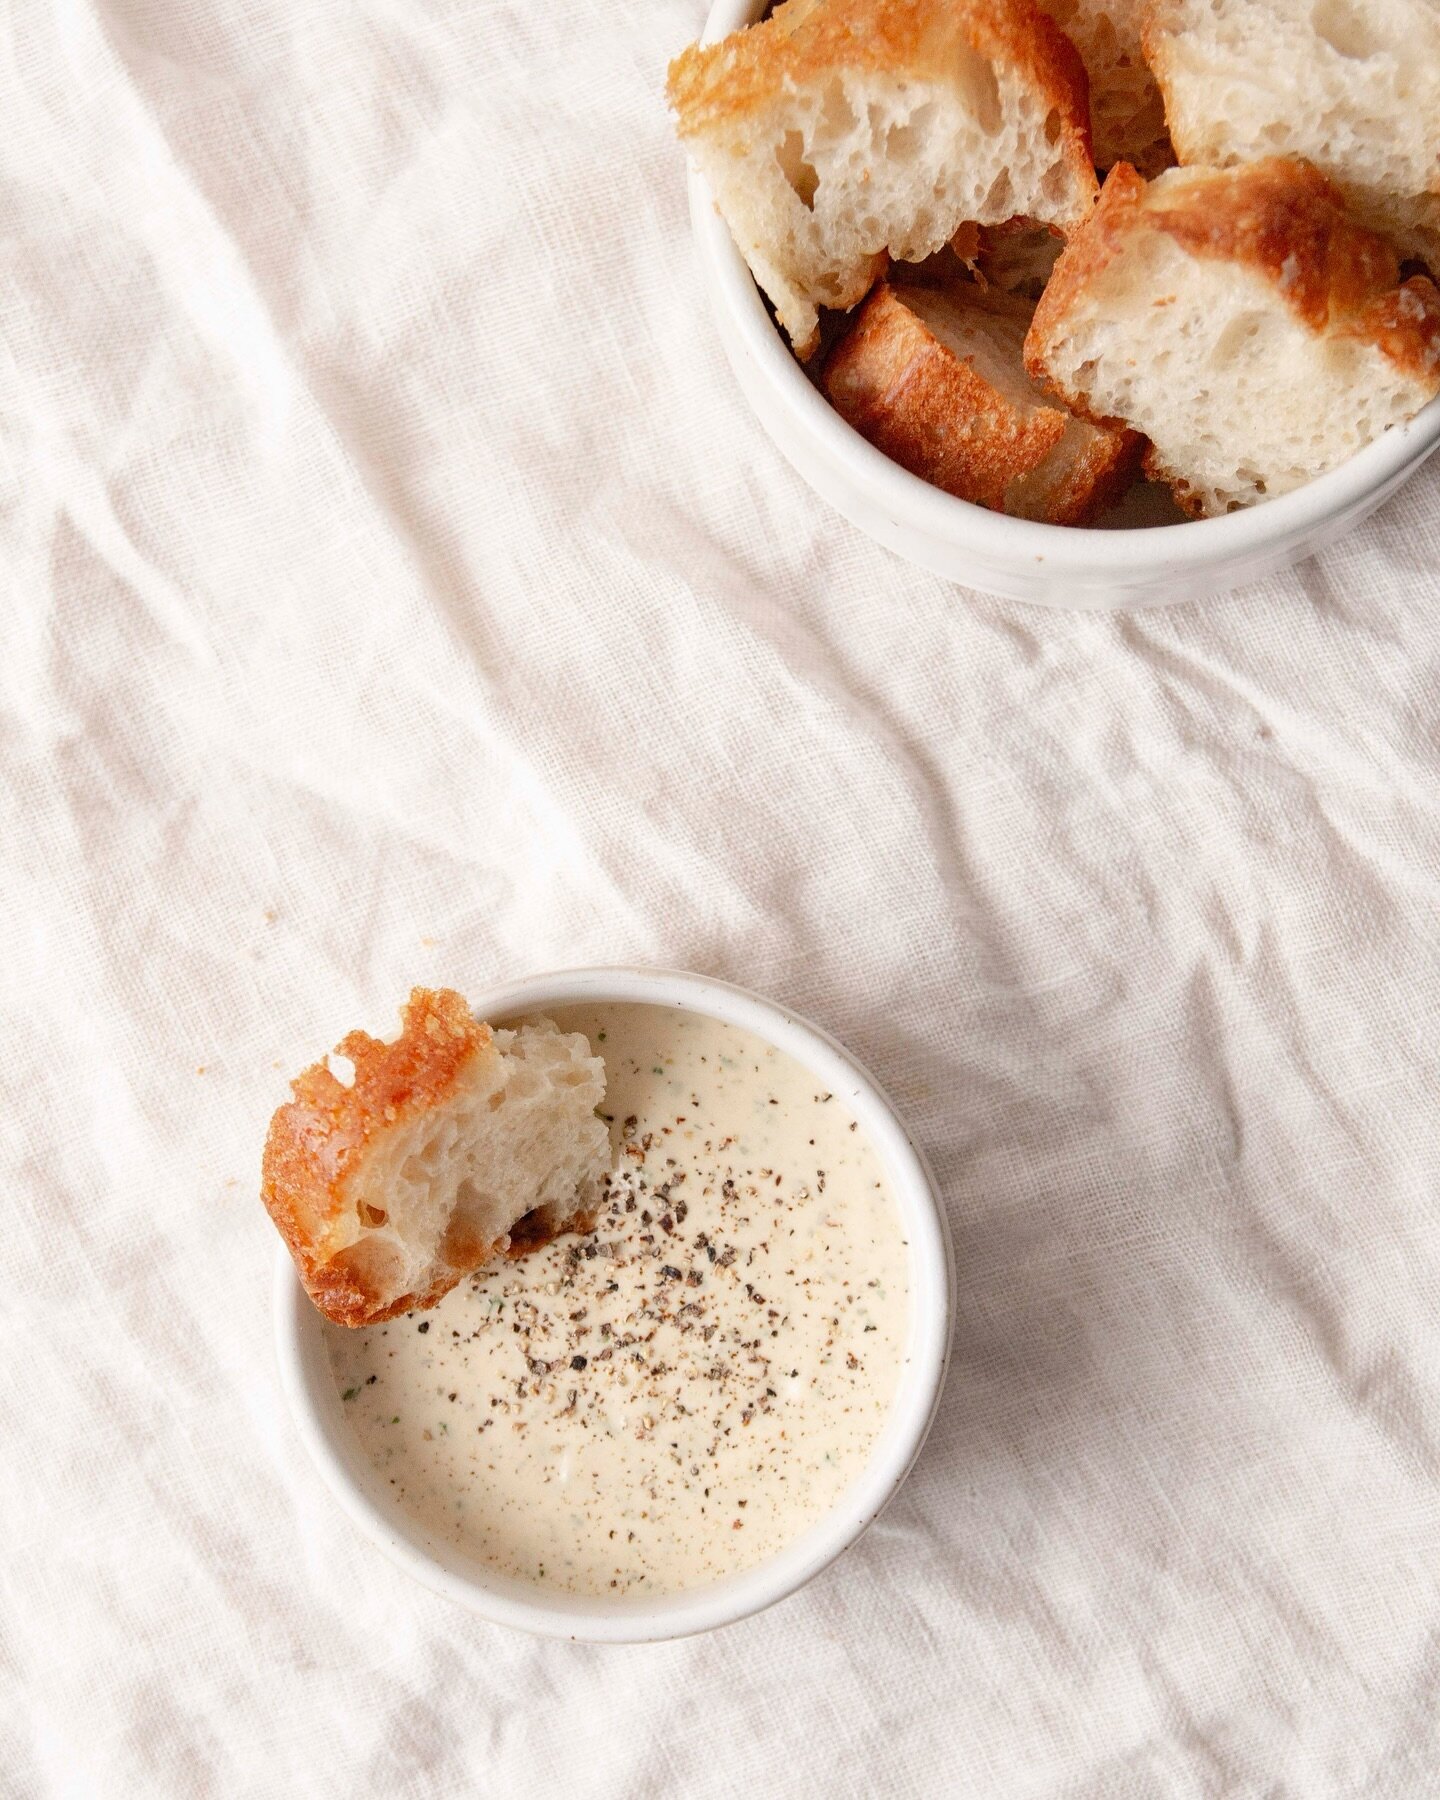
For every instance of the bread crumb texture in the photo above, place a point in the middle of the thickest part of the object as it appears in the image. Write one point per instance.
(935, 379)
(437, 1152)
(1243, 321)
(1127, 111)
(1353, 86)
(838, 134)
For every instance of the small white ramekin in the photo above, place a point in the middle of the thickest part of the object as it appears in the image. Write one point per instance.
(1052, 565)
(317, 1410)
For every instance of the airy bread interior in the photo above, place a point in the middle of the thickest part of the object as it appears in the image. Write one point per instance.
(1241, 397)
(1353, 87)
(513, 1154)
(1257, 336)
(823, 175)
(1127, 113)
(400, 1166)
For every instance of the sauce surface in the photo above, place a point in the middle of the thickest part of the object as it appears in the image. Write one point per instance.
(681, 1393)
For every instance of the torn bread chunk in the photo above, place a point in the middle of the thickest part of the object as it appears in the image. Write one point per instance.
(936, 380)
(1242, 321)
(1018, 256)
(1353, 88)
(422, 1159)
(1127, 113)
(840, 133)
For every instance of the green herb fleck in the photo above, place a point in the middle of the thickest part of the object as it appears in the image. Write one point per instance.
(350, 1393)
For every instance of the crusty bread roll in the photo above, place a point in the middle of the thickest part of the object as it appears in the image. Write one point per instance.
(1127, 114)
(1242, 321)
(839, 131)
(1353, 88)
(936, 380)
(450, 1146)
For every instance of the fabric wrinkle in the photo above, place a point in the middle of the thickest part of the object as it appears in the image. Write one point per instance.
(398, 589)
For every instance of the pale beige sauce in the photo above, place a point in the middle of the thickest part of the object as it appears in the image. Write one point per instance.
(680, 1394)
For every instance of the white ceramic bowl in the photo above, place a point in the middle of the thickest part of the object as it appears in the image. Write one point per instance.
(316, 1406)
(1053, 565)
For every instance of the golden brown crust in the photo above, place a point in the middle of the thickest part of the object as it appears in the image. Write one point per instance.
(1287, 222)
(928, 410)
(1096, 477)
(318, 1140)
(804, 40)
(1155, 46)
(1405, 323)
(937, 415)
(1280, 219)
(1086, 256)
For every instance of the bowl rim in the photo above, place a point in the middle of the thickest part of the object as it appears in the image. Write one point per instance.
(914, 504)
(314, 1404)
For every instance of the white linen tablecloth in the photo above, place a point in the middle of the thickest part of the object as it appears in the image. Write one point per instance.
(398, 590)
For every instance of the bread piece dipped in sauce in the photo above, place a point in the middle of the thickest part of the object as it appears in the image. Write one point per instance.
(448, 1147)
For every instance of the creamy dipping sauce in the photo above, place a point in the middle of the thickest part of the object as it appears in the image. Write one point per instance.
(683, 1392)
